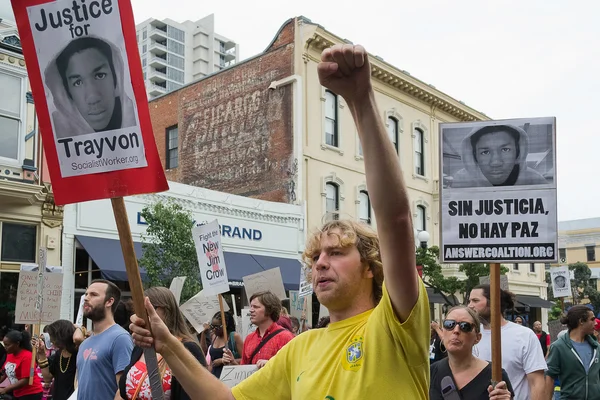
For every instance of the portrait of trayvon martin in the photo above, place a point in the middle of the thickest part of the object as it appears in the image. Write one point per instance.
(86, 80)
(496, 155)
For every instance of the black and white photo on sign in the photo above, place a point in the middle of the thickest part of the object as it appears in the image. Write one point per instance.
(498, 153)
(498, 191)
(561, 281)
(85, 70)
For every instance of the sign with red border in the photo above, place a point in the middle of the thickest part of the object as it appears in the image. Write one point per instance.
(86, 77)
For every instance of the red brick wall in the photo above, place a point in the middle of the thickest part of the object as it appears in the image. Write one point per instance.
(235, 134)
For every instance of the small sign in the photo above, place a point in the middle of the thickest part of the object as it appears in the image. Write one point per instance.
(213, 273)
(561, 282)
(269, 280)
(26, 308)
(200, 309)
(177, 287)
(231, 375)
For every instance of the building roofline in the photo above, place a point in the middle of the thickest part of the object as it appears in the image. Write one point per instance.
(402, 80)
(254, 57)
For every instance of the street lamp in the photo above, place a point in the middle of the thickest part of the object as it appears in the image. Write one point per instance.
(423, 238)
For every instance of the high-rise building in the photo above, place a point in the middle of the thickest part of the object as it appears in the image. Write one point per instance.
(174, 53)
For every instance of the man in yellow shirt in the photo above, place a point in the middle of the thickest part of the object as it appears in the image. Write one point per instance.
(377, 344)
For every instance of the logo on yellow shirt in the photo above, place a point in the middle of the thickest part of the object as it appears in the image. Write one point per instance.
(354, 354)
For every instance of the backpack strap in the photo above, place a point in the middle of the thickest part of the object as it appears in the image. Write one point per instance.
(264, 341)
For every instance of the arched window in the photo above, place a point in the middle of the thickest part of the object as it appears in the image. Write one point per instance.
(420, 224)
(331, 117)
(419, 153)
(364, 208)
(332, 200)
(392, 127)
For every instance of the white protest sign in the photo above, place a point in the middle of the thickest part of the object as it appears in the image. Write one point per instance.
(177, 287)
(200, 309)
(213, 273)
(79, 320)
(247, 326)
(306, 288)
(561, 282)
(498, 191)
(28, 303)
(269, 280)
(231, 375)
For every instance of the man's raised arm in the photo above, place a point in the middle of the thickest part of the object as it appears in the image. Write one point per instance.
(345, 70)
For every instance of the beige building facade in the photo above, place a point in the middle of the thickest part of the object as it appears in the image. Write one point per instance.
(29, 219)
(579, 241)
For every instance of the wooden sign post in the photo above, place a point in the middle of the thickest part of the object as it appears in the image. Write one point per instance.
(223, 320)
(496, 322)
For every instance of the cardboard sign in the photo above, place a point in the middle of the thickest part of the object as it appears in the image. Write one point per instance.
(266, 280)
(28, 309)
(86, 77)
(247, 326)
(177, 287)
(561, 282)
(498, 191)
(213, 272)
(306, 288)
(485, 280)
(200, 309)
(79, 319)
(231, 375)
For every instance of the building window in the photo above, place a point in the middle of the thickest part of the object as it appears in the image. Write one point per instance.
(144, 62)
(11, 103)
(562, 255)
(420, 223)
(419, 154)
(532, 267)
(172, 147)
(515, 267)
(144, 34)
(392, 127)
(332, 200)
(144, 49)
(18, 242)
(364, 209)
(591, 253)
(137, 37)
(331, 116)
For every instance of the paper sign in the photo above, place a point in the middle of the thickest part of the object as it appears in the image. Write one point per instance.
(213, 272)
(266, 280)
(85, 72)
(498, 191)
(200, 309)
(247, 326)
(177, 287)
(27, 295)
(79, 320)
(231, 375)
(485, 280)
(561, 282)
(306, 288)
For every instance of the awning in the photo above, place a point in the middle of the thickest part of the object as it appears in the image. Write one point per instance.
(437, 298)
(240, 265)
(534, 301)
(108, 256)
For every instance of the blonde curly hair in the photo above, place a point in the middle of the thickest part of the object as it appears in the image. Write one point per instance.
(351, 233)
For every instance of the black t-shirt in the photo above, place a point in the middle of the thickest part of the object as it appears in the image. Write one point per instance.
(474, 390)
(64, 382)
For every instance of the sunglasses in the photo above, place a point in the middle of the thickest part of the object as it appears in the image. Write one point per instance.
(464, 326)
(215, 326)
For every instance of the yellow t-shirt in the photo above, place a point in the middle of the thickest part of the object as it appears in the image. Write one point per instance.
(369, 356)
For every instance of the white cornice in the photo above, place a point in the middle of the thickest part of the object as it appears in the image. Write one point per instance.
(404, 82)
(25, 193)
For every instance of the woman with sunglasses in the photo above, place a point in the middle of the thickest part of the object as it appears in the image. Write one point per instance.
(462, 375)
(134, 383)
(217, 349)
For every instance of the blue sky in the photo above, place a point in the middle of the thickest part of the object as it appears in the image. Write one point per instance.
(507, 59)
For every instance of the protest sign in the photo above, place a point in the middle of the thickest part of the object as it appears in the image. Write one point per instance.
(498, 191)
(207, 239)
(28, 309)
(247, 326)
(79, 319)
(231, 375)
(177, 287)
(200, 309)
(561, 282)
(485, 280)
(306, 288)
(266, 280)
(86, 77)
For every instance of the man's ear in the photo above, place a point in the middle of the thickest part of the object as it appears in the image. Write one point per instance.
(369, 271)
(108, 303)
